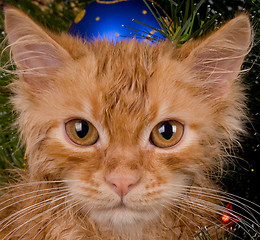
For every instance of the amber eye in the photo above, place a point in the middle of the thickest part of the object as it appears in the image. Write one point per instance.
(81, 132)
(167, 134)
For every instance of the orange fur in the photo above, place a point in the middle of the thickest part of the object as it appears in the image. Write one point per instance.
(124, 90)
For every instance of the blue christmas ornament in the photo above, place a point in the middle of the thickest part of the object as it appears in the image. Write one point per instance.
(113, 21)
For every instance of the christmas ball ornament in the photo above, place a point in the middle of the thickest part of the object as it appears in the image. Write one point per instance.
(113, 21)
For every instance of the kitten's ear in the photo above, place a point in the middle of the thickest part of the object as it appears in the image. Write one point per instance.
(218, 59)
(34, 51)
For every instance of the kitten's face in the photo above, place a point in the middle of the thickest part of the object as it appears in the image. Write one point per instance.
(126, 142)
(128, 127)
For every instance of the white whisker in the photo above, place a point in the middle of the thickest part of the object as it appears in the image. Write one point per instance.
(38, 215)
(221, 196)
(176, 213)
(14, 217)
(198, 215)
(19, 185)
(53, 219)
(238, 204)
(217, 209)
(59, 189)
(210, 207)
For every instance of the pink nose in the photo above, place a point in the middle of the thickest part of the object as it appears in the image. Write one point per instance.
(122, 185)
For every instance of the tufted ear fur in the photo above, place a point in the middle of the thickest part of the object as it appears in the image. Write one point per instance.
(218, 59)
(34, 51)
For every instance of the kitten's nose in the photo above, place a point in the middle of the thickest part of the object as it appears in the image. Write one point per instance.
(122, 185)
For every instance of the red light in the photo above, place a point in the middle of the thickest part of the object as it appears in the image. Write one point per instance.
(225, 219)
(228, 219)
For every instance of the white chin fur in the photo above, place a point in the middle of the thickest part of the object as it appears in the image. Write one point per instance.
(122, 219)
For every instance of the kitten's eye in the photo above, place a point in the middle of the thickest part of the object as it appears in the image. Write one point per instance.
(167, 134)
(81, 132)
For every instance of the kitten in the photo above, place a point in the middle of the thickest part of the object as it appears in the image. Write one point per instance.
(122, 140)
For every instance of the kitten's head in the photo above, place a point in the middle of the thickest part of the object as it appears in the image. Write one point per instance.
(127, 126)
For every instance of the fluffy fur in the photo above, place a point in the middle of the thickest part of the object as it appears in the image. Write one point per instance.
(124, 90)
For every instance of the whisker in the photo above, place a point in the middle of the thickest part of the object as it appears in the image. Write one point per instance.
(176, 213)
(220, 226)
(220, 196)
(221, 210)
(56, 214)
(238, 204)
(37, 216)
(206, 190)
(19, 185)
(212, 207)
(59, 189)
(13, 217)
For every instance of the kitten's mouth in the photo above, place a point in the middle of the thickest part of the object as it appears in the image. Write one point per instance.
(121, 205)
(118, 207)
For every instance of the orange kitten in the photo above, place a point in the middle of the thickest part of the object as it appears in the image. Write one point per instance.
(122, 140)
